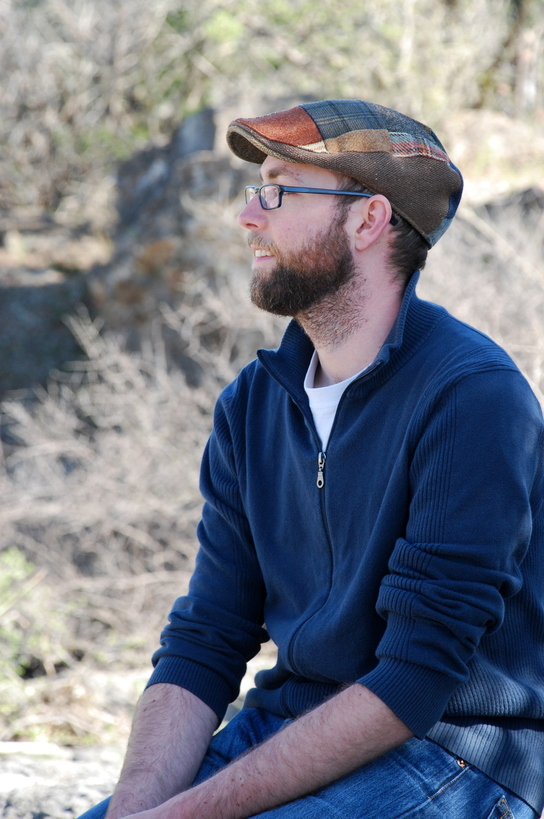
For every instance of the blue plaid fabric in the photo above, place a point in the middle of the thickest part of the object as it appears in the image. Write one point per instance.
(334, 118)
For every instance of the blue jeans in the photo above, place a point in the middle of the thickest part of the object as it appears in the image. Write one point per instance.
(419, 780)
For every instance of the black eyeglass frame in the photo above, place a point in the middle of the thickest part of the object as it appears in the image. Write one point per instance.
(252, 191)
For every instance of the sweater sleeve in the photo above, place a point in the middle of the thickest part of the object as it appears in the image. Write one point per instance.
(472, 482)
(217, 627)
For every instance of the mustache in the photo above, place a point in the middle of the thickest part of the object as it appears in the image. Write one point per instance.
(255, 241)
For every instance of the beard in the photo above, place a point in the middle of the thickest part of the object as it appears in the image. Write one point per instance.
(307, 277)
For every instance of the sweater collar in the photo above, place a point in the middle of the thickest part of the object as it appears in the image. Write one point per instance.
(289, 363)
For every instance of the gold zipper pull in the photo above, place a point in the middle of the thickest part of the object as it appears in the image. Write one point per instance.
(321, 458)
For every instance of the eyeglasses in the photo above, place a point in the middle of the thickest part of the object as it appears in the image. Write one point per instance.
(270, 196)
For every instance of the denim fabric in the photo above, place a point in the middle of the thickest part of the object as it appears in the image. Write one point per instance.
(419, 780)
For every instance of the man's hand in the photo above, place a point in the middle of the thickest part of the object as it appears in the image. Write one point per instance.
(171, 732)
(347, 731)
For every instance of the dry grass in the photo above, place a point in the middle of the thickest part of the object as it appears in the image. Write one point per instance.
(489, 272)
(100, 494)
(99, 501)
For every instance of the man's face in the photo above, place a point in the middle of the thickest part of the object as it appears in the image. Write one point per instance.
(301, 250)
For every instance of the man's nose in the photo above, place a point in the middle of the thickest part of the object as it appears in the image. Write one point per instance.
(253, 215)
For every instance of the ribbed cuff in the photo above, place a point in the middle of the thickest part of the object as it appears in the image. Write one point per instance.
(199, 680)
(417, 695)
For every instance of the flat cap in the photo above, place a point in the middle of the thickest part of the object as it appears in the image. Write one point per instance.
(387, 152)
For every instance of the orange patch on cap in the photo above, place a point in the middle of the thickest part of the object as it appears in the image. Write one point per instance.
(364, 142)
(293, 127)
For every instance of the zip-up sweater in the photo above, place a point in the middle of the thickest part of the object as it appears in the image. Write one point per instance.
(409, 557)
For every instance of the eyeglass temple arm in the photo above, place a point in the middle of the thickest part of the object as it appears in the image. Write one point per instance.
(394, 219)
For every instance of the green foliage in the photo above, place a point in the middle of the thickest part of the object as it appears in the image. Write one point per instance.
(116, 76)
(14, 568)
(179, 20)
(107, 141)
(15, 582)
(31, 642)
(423, 56)
(223, 27)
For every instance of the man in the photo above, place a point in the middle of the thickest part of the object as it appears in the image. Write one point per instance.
(374, 494)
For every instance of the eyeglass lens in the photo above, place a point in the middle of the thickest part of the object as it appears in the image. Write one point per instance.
(269, 195)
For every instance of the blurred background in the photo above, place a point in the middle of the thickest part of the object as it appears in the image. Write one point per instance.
(123, 283)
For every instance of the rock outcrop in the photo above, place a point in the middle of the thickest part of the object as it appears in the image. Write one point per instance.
(49, 782)
(48, 271)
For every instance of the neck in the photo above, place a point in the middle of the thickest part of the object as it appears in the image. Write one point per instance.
(349, 328)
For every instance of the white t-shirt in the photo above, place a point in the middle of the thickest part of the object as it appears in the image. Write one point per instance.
(324, 400)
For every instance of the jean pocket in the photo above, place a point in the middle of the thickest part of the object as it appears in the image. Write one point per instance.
(501, 810)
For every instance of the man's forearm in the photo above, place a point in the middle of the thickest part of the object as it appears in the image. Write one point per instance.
(171, 732)
(325, 744)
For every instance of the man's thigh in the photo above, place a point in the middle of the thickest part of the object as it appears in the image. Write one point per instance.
(419, 780)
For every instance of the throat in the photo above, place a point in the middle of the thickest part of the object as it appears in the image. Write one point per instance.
(321, 379)
(327, 376)
(337, 317)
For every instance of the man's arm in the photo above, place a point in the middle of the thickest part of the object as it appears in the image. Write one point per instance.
(171, 732)
(347, 731)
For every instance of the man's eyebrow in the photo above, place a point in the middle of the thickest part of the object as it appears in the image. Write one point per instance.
(274, 173)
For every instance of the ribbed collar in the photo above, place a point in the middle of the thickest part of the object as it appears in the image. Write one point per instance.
(415, 320)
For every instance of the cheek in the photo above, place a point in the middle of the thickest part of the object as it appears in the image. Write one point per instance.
(300, 226)
(298, 231)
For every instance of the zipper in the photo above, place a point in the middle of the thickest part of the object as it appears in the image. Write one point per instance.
(321, 458)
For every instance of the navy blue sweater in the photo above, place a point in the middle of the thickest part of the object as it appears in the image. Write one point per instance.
(416, 569)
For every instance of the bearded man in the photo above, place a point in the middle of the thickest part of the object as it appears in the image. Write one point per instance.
(374, 502)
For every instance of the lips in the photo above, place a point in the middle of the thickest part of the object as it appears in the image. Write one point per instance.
(259, 248)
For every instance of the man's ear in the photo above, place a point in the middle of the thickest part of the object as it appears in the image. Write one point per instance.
(373, 217)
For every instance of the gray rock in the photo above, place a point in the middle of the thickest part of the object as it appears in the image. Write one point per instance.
(126, 291)
(34, 337)
(56, 787)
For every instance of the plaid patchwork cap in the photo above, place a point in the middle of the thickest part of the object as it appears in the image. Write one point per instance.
(387, 152)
